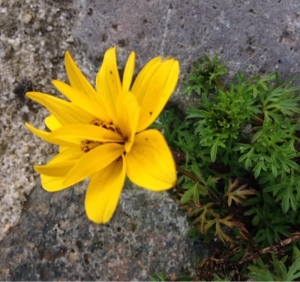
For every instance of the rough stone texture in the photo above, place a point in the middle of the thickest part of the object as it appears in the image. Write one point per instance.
(32, 43)
(55, 241)
(47, 236)
(251, 36)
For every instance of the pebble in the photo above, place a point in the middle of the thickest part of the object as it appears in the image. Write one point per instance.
(6, 228)
(70, 39)
(27, 18)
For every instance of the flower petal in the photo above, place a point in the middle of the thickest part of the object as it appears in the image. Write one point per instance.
(93, 161)
(75, 133)
(81, 100)
(56, 169)
(128, 72)
(45, 135)
(150, 163)
(153, 88)
(68, 153)
(60, 165)
(141, 82)
(108, 82)
(65, 112)
(56, 183)
(104, 191)
(76, 78)
(128, 111)
(53, 184)
(52, 123)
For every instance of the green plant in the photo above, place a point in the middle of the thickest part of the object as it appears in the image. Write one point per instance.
(237, 153)
(160, 276)
(277, 270)
(206, 73)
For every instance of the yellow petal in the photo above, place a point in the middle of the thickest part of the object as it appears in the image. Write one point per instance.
(76, 78)
(150, 163)
(153, 88)
(66, 154)
(65, 112)
(45, 135)
(141, 83)
(60, 165)
(56, 169)
(128, 72)
(104, 191)
(128, 111)
(81, 100)
(108, 82)
(75, 133)
(53, 184)
(94, 161)
(52, 123)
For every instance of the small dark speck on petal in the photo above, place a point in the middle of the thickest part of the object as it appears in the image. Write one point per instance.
(110, 72)
(150, 113)
(146, 139)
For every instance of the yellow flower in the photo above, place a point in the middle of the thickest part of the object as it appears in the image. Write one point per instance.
(102, 133)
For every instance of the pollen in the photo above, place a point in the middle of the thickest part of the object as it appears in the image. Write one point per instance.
(88, 145)
(107, 125)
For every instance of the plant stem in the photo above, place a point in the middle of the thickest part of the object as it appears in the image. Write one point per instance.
(188, 174)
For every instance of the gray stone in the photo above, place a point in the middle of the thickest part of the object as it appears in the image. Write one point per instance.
(55, 241)
(251, 36)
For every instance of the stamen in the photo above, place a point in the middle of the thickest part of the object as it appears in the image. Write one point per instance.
(107, 125)
(96, 122)
(88, 145)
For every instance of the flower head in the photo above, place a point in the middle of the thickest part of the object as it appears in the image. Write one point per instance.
(102, 133)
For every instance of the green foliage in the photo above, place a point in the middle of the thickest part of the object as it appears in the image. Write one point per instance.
(218, 278)
(205, 74)
(160, 276)
(237, 153)
(278, 271)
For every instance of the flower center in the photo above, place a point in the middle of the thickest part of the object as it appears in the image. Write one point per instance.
(87, 145)
(107, 125)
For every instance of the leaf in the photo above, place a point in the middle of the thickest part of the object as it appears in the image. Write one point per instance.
(187, 195)
(196, 196)
(213, 152)
(205, 210)
(196, 170)
(236, 192)
(296, 253)
(294, 271)
(214, 149)
(229, 222)
(258, 274)
(161, 277)
(255, 220)
(185, 278)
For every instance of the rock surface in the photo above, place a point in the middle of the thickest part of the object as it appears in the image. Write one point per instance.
(55, 241)
(251, 36)
(47, 236)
